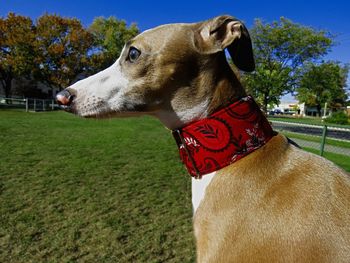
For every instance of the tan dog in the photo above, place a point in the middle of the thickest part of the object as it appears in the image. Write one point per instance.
(277, 204)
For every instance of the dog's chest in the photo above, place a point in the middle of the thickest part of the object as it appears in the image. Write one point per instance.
(198, 189)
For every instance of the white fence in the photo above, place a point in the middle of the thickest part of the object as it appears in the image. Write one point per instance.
(29, 104)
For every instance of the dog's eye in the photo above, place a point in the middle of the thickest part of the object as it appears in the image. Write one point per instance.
(133, 54)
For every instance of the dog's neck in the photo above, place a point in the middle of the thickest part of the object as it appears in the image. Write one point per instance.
(227, 135)
(215, 87)
(226, 87)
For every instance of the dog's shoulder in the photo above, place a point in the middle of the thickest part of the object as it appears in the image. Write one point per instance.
(284, 172)
(278, 193)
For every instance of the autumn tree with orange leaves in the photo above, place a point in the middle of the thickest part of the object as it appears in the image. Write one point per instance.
(17, 55)
(62, 46)
(55, 50)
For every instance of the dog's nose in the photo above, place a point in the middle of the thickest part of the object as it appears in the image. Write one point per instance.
(64, 98)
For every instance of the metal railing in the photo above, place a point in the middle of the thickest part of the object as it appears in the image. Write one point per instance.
(29, 104)
(323, 138)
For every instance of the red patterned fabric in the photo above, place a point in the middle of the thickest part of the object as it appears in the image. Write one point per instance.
(223, 138)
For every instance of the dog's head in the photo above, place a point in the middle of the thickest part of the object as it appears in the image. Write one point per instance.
(168, 71)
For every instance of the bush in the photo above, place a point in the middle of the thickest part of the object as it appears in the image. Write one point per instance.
(339, 117)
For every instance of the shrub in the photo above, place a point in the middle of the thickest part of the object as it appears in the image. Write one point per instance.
(339, 117)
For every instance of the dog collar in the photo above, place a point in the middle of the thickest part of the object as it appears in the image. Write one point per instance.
(209, 144)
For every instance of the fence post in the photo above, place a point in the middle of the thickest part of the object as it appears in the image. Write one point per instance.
(52, 105)
(323, 139)
(43, 105)
(27, 106)
(34, 105)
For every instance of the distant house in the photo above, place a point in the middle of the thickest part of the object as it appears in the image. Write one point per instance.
(300, 109)
(289, 108)
(24, 88)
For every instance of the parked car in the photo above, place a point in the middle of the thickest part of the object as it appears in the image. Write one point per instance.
(275, 112)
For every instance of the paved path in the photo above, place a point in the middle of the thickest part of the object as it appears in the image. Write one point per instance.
(327, 148)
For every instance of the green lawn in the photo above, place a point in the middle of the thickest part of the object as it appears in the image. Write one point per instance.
(341, 160)
(314, 138)
(76, 190)
(306, 120)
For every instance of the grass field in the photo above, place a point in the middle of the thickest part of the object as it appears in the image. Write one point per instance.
(76, 190)
(306, 120)
(314, 138)
(341, 160)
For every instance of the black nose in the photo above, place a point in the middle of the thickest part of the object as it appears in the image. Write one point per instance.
(64, 98)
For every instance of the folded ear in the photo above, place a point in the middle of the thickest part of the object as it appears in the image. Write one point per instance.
(227, 32)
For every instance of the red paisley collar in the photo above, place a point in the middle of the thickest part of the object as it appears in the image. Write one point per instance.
(223, 138)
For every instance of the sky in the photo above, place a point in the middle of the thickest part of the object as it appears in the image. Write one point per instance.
(333, 16)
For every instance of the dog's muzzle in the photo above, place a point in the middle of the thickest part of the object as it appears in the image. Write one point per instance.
(65, 99)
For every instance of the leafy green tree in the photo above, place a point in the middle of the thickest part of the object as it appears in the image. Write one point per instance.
(110, 35)
(323, 83)
(17, 56)
(281, 48)
(63, 47)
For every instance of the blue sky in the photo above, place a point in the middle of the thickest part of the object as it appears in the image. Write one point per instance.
(333, 16)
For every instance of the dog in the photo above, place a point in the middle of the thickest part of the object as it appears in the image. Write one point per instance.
(256, 197)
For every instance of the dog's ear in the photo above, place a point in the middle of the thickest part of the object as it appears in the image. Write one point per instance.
(227, 32)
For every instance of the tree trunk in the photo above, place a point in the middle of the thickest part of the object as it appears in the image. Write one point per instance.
(7, 88)
(265, 103)
(318, 106)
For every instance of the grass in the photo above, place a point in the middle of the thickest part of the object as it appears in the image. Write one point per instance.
(341, 160)
(307, 120)
(317, 139)
(76, 190)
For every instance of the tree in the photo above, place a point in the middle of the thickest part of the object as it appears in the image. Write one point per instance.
(55, 50)
(323, 83)
(267, 84)
(17, 35)
(281, 48)
(63, 47)
(110, 35)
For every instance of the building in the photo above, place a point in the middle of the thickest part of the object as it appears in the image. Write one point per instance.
(289, 108)
(24, 88)
(300, 109)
